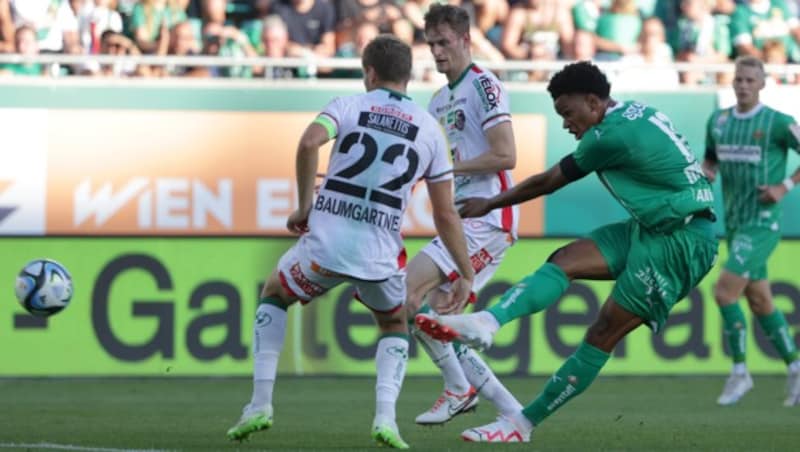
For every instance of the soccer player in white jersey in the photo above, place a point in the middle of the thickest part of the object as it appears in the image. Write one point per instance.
(350, 233)
(473, 108)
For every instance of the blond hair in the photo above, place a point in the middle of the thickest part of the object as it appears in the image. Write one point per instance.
(749, 61)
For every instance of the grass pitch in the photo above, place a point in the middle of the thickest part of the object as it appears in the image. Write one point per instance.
(615, 414)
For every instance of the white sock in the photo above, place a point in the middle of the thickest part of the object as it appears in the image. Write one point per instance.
(794, 366)
(739, 368)
(391, 357)
(482, 378)
(444, 356)
(268, 333)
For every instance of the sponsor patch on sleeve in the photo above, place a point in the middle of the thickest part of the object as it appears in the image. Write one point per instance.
(489, 92)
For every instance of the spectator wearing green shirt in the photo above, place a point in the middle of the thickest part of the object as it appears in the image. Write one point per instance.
(585, 14)
(699, 37)
(618, 30)
(151, 21)
(757, 21)
(25, 43)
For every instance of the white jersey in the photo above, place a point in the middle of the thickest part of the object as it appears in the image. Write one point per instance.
(385, 143)
(476, 102)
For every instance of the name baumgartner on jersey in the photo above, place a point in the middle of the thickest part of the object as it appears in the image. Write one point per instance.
(385, 143)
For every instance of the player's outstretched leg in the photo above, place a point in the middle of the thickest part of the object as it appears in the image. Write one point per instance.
(572, 378)
(533, 294)
(269, 331)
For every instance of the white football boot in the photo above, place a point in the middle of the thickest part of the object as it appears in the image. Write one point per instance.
(503, 430)
(792, 389)
(448, 406)
(473, 330)
(736, 386)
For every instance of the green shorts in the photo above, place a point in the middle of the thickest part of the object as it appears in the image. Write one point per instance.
(653, 271)
(749, 248)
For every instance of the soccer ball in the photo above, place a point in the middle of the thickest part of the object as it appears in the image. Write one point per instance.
(44, 287)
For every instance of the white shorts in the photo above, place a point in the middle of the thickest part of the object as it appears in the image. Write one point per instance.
(486, 246)
(303, 278)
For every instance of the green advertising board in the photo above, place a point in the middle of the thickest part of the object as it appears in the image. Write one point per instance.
(184, 306)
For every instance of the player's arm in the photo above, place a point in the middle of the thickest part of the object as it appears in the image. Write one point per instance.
(789, 139)
(449, 229)
(306, 164)
(710, 161)
(533, 187)
(502, 153)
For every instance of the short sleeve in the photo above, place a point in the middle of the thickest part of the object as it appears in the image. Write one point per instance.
(790, 132)
(599, 150)
(441, 166)
(493, 105)
(328, 18)
(331, 116)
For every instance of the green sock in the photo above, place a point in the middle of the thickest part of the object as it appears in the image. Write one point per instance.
(735, 329)
(274, 301)
(778, 332)
(574, 376)
(536, 292)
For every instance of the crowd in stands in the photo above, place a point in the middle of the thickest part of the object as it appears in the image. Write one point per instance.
(648, 33)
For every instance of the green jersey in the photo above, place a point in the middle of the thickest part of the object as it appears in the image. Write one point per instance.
(646, 165)
(751, 150)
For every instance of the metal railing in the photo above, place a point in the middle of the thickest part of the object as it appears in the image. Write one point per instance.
(312, 63)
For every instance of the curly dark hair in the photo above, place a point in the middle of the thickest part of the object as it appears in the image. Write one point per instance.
(457, 18)
(582, 77)
(390, 57)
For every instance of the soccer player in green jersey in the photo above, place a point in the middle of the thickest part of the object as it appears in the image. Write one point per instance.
(748, 145)
(656, 257)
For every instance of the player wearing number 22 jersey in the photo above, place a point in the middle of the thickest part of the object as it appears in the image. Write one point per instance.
(350, 232)
(384, 141)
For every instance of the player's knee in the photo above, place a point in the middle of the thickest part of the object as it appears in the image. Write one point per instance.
(759, 302)
(599, 332)
(723, 294)
(413, 303)
(392, 323)
(556, 256)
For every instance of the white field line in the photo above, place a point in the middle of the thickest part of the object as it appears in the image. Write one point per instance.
(53, 446)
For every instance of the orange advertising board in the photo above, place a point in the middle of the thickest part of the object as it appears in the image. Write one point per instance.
(134, 172)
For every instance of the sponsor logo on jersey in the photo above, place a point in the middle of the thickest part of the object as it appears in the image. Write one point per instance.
(388, 124)
(634, 111)
(489, 92)
(309, 288)
(460, 119)
(450, 105)
(392, 111)
(758, 134)
(480, 260)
